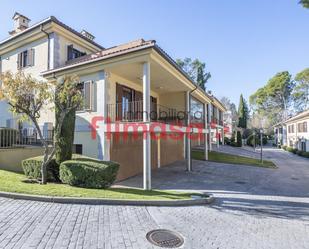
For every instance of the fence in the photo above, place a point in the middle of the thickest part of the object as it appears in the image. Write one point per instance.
(10, 138)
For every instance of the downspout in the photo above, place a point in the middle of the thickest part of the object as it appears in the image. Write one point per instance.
(48, 46)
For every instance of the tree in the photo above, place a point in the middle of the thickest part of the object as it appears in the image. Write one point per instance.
(305, 3)
(231, 107)
(239, 139)
(65, 135)
(196, 70)
(274, 99)
(242, 113)
(301, 90)
(27, 96)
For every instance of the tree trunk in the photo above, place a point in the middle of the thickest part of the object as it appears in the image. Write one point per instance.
(44, 165)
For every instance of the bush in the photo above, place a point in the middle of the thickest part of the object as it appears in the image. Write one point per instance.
(290, 149)
(299, 152)
(284, 147)
(88, 172)
(227, 141)
(305, 154)
(239, 141)
(32, 168)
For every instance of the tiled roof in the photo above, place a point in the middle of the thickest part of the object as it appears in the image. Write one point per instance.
(116, 50)
(298, 116)
(47, 20)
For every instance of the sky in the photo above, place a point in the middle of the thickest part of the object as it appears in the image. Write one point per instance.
(243, 43)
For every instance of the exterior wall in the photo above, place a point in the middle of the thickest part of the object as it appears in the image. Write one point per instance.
(10, 159)
(58, 57)
(175, 100)
(128, 152)
(294, 139)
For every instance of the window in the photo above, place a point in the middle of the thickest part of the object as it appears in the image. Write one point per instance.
(302, 127)
(87, 89)
(74, 53)
(25, 59)
(291, 128)
(78, 149)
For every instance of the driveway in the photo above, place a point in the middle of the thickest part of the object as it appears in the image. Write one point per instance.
(254, 208)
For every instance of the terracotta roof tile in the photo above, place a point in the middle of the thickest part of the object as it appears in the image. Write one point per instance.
(112, 51)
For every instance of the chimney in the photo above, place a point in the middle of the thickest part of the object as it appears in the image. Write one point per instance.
(21, 23)
(87, 35)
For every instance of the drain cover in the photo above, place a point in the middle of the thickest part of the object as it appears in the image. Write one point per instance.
(165, 238)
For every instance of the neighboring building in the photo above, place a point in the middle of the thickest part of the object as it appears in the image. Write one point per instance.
(137, 86)
(294, 132)
(228, 124)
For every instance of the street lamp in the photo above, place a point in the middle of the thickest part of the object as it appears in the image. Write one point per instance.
(261, 142)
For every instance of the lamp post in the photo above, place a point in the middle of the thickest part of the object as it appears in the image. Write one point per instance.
(261, 142)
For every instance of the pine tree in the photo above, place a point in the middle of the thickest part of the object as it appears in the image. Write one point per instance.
(242, 113)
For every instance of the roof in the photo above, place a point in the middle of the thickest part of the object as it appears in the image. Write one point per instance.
(122, 49)
(298, 116)
(45, 21)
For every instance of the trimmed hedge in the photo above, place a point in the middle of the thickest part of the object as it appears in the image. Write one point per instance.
(32, 169)
(89, 173)
(296, 151)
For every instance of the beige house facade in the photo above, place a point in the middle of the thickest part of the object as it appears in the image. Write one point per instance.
(137, 101)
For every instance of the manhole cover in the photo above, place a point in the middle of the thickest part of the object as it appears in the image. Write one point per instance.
(165, 238)
(240, 182)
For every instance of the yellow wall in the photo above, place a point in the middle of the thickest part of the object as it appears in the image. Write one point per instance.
(10, 159)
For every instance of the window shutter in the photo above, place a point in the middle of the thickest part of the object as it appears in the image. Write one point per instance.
(87, 95)
(30, 58)
(19, 60)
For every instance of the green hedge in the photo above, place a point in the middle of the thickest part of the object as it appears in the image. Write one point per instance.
(89, 173)
(32, 168)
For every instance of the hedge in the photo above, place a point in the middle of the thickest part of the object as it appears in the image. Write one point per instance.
(88, 173)
(32, 169)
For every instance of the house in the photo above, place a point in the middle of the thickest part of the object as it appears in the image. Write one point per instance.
(138, 103)
(294, 132)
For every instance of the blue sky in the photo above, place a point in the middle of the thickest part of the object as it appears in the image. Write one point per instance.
(243, 43)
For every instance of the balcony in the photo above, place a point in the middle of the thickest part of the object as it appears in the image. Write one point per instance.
(133, 112)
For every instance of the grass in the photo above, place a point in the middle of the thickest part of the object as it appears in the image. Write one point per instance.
(232, 159)
(12, 182)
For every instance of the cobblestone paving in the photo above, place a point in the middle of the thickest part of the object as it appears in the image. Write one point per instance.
(254, 208)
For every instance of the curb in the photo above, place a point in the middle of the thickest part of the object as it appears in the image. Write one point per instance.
(98, 201)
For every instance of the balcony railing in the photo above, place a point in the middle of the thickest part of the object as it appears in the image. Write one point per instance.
(133, 112)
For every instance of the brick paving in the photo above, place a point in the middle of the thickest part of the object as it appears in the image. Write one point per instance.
(254, 208)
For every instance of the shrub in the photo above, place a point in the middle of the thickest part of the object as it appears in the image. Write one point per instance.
(290, 149)
(239, 141)
(299, 152)
(284, 147)
(89, 173)
(227, 141)
(305, 154)
(32, 168)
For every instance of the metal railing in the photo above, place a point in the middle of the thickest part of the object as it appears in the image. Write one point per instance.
(10, 138)
(133, 112)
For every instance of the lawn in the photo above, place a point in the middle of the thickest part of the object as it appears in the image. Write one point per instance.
(232, 159)
(12, 182)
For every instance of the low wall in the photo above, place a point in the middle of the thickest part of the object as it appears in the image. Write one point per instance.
(10, 159)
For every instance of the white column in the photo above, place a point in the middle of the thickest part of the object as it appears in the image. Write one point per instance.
(188, 139)
(217, 130)
(205, 126)
(209, 126)
(223, 134)
(146, 135)
(104, 143)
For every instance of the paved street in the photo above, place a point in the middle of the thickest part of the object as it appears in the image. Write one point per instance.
(254, 208)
